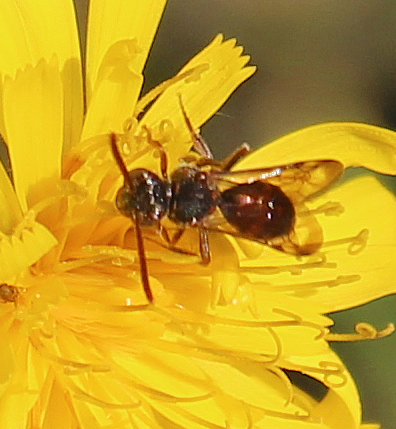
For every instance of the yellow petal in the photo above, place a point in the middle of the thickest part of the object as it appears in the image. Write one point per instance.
(160, 374)
(216, 72)
(353, 144)
(56, 411)
(116, 91)
(21, 394)
(18, 253)
(278, 328)
(370, 267)
(249, 397)
(355, 264)
(343, 395)
(367, 204)
(207, 82)
(211, 77)
(33, 30)
(7, 366)
(110, 22)
(33, 113)
(14, 409)
(10, 209)
(36, 29)
(73, 103)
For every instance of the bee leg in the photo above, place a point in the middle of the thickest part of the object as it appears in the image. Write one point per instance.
(234, 157)
(170, 243)
(199, 143)
(162, 152)
(143, 261)
(202, 162)
(162, 231)
(204, 247)
(177, 236)
(171, 247)
(165, 236)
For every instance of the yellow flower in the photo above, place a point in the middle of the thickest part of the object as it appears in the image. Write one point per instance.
(80, 346)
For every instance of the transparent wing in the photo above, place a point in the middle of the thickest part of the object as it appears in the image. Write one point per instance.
(298, 181)
(305, 238)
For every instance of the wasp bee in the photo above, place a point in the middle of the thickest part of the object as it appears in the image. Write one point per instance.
(264, 205)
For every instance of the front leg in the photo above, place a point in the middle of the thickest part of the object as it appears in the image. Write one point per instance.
(234, 157)
(204, 246)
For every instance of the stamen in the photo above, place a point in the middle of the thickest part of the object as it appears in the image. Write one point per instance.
(307, 287)
(189, 327)
(297, 320)
(336, 370)
(237, 406)
(66, 363)
(286, 380)
(202, 348)
(278, 343)
(71, 265)
(303, 402)
(72, 371)
(364, 331)
(190, 318)
(66, 188)
(130, 124)
(287, 416)
(318, 260)
(137, 141)
(248, 414)
(193, 418)
(356, 243)
(214, 352)
(115, 253)
(81, 394)
(217, 353)
(331, 208)
(328, 370)
(166, 128)
(168, 397)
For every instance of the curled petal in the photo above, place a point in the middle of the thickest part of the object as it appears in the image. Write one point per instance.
(111, 22)
(216, 72)
(116, 90)
(34, 31)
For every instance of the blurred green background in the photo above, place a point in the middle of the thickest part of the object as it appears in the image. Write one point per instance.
(318, 61)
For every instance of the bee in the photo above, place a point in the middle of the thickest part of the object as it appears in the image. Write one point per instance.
(264, 205)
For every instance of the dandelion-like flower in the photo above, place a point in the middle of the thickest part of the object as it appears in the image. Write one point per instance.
(80, 345)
